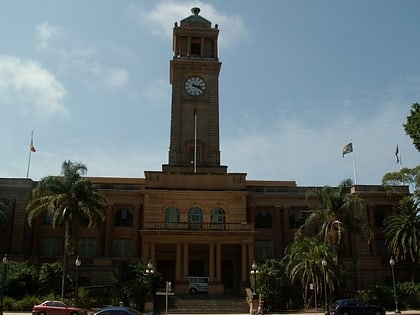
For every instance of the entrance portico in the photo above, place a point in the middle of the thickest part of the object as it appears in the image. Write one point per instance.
(222, 256)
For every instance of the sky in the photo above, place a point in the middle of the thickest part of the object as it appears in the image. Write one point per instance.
(300, 79)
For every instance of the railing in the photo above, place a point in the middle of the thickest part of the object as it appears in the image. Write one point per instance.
(196, 226)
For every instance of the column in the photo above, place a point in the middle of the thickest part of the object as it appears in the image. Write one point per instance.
(185, 263)
(145, 250)
(189, 46)
(244, 262)
(178, 263)
(211, 262)
(251, 255)
(152, 256)
(218, 262)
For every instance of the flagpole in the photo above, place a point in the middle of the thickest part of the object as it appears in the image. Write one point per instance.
(354, 168)
(400, 160)
(30, 153)
(195, 141)
(398, 155)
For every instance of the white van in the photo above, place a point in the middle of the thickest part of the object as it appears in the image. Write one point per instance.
(198, 285)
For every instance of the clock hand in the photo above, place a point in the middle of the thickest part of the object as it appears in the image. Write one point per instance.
(198, 87)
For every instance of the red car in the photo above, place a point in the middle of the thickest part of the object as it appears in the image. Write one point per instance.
(56, 308)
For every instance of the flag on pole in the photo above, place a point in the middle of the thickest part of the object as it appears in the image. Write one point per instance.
(31, 146)
(348, 148)
(397, 154)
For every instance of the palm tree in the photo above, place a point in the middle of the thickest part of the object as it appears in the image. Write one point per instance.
(303, 264)
(402, 231)
(67, 199)
(338, 212)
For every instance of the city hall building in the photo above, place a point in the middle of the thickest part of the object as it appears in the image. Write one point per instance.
(194, 218)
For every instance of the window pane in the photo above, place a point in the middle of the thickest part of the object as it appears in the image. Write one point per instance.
(51, 247)
(87, 247)
(122, 248)
(263, 220)
(217, 215)
(123, 217)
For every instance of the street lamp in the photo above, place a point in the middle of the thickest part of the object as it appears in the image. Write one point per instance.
(150, 270)
(78, 262)
(5, 262)
(324, 265)
(254, 271)
(392, 264)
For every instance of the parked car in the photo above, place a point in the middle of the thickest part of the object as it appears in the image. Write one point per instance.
(56, 308)
(355, 307)
(117, 310)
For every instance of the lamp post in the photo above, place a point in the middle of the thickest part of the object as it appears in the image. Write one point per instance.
(392, 264)
(324, 265)
(3, 282)
(150, 270)
(77, 262)
(254, 271)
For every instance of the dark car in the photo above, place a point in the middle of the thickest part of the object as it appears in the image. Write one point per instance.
(355, 307)
(56, 308)
(117, 310)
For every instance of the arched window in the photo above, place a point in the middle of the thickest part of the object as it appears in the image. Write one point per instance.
(264, 220)
(171, 217)
(195, 218)
(217, 215)
(123, 217)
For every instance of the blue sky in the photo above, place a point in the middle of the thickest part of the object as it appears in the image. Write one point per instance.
(299, 80)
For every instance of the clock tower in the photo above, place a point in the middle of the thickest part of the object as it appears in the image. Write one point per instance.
(194, 76)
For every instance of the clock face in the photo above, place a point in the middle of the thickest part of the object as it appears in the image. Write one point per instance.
(195, 86)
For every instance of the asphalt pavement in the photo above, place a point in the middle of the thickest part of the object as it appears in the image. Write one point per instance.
(409, 312)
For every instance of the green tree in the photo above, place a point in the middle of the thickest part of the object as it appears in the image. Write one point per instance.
(402, 232)
(47, 278)
(412, 126)
(21, 279)
(406, 176)
(274, 285)
(303, 265)
(131, 284)
(69, 199)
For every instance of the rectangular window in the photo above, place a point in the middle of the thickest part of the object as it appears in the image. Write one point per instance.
(264, 250)
(122, 248)
(52, 247)
(87, 247)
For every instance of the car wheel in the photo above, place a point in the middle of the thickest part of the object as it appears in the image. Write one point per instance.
(74, 313)
(42, 313)
(346, 313)
(193, 291)
(378, 313)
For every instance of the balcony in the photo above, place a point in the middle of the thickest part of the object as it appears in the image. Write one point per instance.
(196, 226)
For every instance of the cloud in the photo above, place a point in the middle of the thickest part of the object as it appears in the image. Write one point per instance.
(311, 154)
(164, 14)
(116, 78)
(27, 84)
(46, 32)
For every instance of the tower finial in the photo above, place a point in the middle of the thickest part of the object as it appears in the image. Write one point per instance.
(195, 10)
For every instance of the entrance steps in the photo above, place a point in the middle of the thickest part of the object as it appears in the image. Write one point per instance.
(204, 304)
